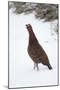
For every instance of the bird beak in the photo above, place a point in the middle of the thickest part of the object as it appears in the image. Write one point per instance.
(26, 25)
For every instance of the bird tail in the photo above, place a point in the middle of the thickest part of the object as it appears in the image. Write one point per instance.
(49, 66)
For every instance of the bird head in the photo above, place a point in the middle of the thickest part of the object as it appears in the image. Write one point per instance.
(29, 27)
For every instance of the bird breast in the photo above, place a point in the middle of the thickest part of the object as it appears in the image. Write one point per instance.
(34, 52)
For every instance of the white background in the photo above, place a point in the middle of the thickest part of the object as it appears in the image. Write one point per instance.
(4, 44)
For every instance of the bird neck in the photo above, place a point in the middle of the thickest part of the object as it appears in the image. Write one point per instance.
(32, 37)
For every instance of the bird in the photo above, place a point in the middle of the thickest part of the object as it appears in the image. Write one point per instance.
(35, 50)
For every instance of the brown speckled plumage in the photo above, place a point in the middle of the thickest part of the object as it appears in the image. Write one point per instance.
(35, 50)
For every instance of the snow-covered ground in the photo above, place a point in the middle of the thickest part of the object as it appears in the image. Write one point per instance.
(21, 73)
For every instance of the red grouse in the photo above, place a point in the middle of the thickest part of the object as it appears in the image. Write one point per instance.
(35, 50)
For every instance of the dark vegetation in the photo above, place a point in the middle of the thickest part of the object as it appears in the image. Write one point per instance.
(48, 12)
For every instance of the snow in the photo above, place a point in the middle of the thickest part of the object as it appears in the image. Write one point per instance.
(21, 72)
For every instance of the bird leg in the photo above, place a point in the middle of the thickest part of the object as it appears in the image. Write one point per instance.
(37, 66)
(34, 65)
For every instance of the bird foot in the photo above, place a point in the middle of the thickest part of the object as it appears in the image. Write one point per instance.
(36, 66)
(37, 69)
